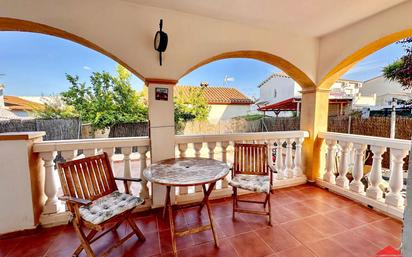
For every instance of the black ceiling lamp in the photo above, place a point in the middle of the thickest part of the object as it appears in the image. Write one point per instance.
(160, 41)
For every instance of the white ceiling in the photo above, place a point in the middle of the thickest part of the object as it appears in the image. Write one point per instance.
(308, 17)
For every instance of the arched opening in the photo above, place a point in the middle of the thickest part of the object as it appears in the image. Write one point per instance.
(345, 65)
(291, 70)
(241, 88)
(10, 24)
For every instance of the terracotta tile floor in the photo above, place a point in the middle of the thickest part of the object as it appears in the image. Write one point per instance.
(307, 221)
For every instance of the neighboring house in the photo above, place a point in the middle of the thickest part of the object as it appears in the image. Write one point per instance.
(13, 107)
(225, 102)
(280, 94)
(384, 91)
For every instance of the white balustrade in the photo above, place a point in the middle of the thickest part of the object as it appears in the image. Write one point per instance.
(375, 177)
(297, 170)
(329, 176)
(393, 202)
(69, 151)
(279, 158)
(342, 180)
(356, 185)
(394, 196)
(288, 172)
(52, 204)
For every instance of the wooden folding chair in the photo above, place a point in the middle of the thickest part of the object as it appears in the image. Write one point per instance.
(92, 197)
(251, 172)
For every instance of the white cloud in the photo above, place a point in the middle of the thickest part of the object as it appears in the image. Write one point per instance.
(86, 68)
(366, 66)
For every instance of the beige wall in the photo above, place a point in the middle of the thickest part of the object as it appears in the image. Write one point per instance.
(225, 112)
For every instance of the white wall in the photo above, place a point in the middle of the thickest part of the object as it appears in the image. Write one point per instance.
(385, 90)
(225, 112)
(16, 195)
(285, 88)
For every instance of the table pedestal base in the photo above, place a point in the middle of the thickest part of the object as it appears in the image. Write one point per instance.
(205, 202)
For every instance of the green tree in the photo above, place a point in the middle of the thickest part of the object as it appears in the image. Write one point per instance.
(54, 108)
(401, 69)
(194, 106)
(108, 101)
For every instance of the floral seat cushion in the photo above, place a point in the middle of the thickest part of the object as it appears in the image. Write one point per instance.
(260, 184)
(109, 206)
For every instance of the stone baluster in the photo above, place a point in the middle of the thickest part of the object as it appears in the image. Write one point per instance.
(211, 146)
(198, 148)
(144, 192)
(89, 152)
(375, 176)
(224, 145)
(279, 158)
(342, 180)
(394, 197)
(182, 154)
(69, 154)
(329, 176)
(182, 150)
(52, 204)
(288, 171)
(297, 170)
(127, 172)
(356, 185)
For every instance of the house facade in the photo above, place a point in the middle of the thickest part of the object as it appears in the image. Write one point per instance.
(13, 107)
(383, 91)
(280, 95)
(225, 102)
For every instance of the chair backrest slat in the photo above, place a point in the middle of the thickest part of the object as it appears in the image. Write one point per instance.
(251, 159)
(88, 178)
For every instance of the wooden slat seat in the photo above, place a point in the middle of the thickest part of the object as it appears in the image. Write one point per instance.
(91, 194)
(252, 172)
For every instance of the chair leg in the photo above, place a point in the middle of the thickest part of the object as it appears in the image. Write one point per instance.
(136, 229)
(88, 237)
(83, 239)
(234, 196)
(270, 209)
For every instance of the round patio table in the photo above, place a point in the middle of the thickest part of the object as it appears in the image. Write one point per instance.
(187, 172)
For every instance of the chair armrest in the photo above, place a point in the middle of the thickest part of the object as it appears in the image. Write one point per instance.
(75, 200)
(128, 179)
(272, 169)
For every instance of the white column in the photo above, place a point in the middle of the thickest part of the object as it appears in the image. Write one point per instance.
(342, 180)
(182, 150)
(127, 172)
(356, 184)
(394, 196)
(52, 204)
(297, 171)
(329, 176)
(162, 129)
(211, 146)
(375, 176)
(279, 158)
(224, 146)
(144, 192)
(288, 172)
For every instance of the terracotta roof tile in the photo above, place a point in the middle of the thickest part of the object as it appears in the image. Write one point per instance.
(17, 103)
(218, 95)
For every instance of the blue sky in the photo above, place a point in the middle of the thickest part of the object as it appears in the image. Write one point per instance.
(36, 64)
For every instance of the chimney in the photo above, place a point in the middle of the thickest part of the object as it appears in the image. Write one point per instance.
(2, 96)
(204, 84)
